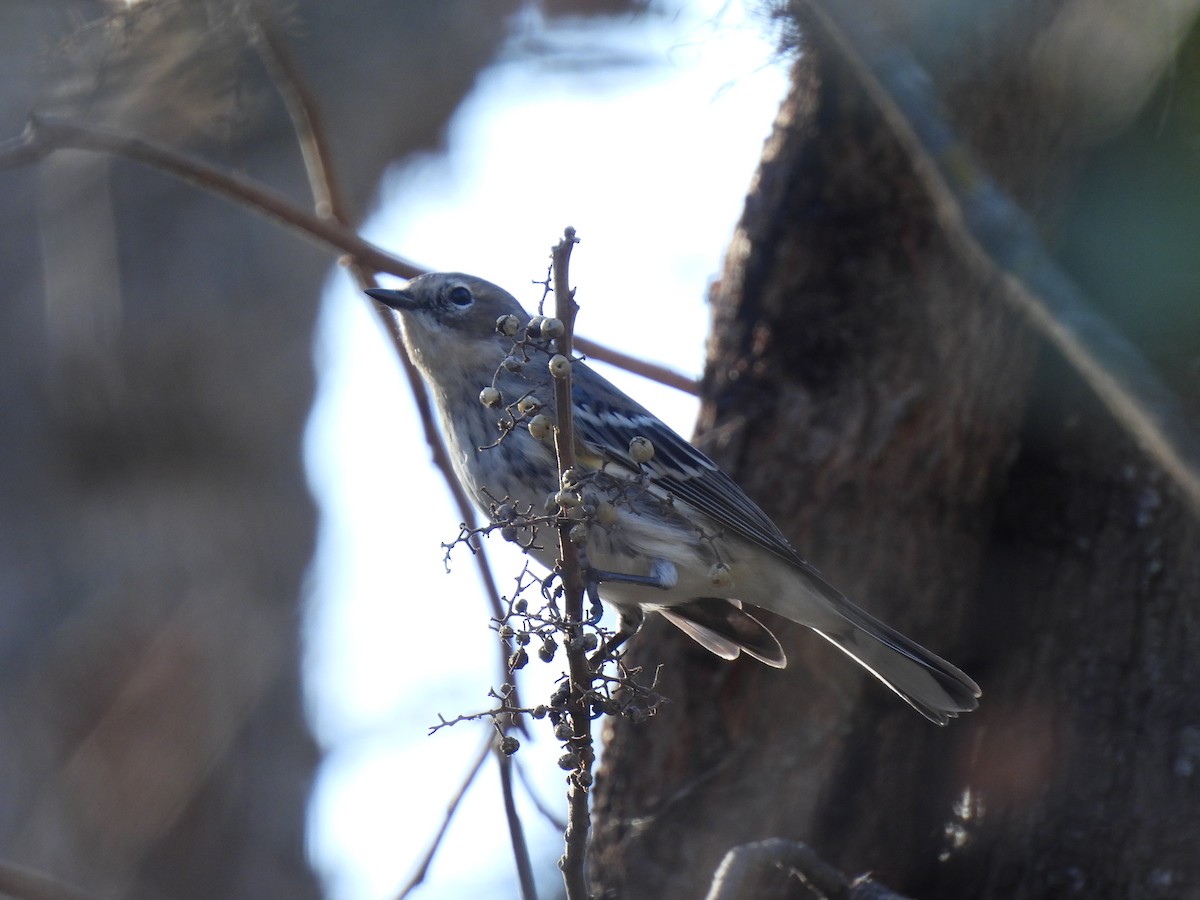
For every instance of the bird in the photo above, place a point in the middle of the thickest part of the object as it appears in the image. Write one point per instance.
(667, 531)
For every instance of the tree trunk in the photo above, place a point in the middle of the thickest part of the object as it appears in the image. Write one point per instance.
(876, 393)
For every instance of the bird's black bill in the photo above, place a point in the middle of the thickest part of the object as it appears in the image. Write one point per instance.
(395, 299)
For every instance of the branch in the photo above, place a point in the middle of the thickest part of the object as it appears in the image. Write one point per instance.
(516, 831)
(554, 819)
(766, 868)
(1000, 240)
(44, 135)
(649, 370)
(302, 109)
(574, 861)
(431, 851)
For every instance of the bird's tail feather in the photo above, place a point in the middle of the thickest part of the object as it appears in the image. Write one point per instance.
(932, 686)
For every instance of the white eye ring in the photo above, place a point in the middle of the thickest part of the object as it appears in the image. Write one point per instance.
(461, 296)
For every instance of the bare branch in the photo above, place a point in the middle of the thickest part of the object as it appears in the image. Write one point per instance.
(574, 861)
(556, 821)
(305, 115)
(427, 859)
(515, 830)
(44, 135)
(765, 868)
(652, 371)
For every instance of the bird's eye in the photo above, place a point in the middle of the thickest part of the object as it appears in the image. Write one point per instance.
(461, 296)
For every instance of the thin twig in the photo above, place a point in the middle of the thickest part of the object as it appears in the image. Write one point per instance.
(556, 821)
(516, 830)
(648, 370)
(431, 851)
(999, 239)
(574, 861)
(43, 135)
(304, 112)
(761, 868)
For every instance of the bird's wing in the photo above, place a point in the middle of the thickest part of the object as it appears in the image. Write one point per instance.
(607, 420)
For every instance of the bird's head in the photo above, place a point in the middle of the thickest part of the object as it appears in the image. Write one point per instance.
(450, 319)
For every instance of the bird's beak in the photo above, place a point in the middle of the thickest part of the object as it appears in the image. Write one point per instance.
(396, 299)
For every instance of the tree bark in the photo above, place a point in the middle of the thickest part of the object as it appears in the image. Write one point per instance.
(874, 391)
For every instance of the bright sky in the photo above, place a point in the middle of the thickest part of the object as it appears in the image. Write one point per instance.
(650, 160)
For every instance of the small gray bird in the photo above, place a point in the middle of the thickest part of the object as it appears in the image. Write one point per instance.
(669, 531)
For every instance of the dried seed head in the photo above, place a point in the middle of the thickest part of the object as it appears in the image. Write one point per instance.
(552, 328)
(508, 325)
(489, 396)
(560, 366)
(509, 745)
(512, 363)
(527, 405)
(568, 761)
(641, 450)
(578, 534)
(539, 427)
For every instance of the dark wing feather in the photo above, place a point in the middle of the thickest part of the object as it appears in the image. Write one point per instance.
(607, 420)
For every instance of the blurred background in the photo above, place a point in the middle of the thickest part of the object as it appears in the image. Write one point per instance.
(225, 622)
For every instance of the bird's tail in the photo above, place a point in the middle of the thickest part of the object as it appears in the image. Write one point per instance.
(932, 686)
